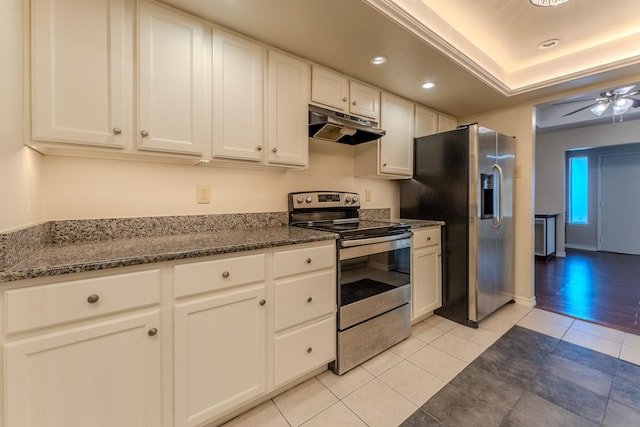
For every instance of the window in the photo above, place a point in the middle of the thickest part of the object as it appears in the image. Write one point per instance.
(578, 190)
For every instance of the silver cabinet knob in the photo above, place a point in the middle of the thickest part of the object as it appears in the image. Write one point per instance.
(428, 238)
(92, 299)
(384, 165)
(309, 299)
(262, 302)
(274, 149)
(152, 332)
(354, 103)
(344, 99)
(225, 274)
(308, 260)
(259, 147)
(117, 131)
(309, 350)
(144, 133)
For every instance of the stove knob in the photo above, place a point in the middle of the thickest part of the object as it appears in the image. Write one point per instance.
(299, 200)
(355, 199)
(347, 199)
(309, 200)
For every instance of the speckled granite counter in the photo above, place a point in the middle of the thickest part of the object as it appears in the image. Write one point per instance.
(57, 259)
(419, 223)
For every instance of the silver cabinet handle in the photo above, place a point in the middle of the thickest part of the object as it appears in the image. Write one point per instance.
(144, 133)
(259, 147)
(92, 299)
(274, 149)
(152, 332)
(309, 299)
(225, 274)
(117, 131)
(262, 302)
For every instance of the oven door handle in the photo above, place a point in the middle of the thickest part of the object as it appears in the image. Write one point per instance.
(372, 240)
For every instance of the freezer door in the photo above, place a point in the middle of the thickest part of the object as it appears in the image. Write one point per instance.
(494, 284)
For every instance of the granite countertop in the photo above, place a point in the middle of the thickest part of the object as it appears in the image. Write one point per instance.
(57, 259)
(419, 223)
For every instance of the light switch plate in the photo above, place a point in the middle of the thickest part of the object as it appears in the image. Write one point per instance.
(203, 194)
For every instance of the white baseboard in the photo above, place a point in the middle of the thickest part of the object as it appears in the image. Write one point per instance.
(581, 247)
(561, 254)
(527, 302)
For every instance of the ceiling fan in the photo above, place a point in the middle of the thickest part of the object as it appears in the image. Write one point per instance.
(621, 100)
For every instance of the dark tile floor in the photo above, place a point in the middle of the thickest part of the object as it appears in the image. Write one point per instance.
(530, 379)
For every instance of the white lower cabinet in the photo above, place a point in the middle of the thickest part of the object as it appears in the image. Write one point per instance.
(220, 353)
(426, 272)
(100, 374)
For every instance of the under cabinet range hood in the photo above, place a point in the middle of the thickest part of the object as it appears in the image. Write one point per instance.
(334, 126)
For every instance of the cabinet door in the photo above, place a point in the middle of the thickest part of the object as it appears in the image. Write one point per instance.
(446, 123)
(396, 147)
(426, 280)
(101, 374)
(220, 353)
(79, 72)
(238, 98)
(330, 89)
(426, 122)
(288, 105)
(364, 101)
(171, 82)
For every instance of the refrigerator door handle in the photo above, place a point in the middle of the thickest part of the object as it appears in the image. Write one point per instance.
(497, 219)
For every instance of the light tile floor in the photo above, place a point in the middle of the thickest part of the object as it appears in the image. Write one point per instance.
(387, 389)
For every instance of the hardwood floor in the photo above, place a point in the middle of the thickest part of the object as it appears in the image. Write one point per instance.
(600, 287)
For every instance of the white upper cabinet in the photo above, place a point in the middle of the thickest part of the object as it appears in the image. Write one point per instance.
(289, 86)
(172, 112)
(238, 98)
(396, 147)
(329, 89)
(446, 123)
(364, 100)
(80, 69)
(337, 92)
(426, 122)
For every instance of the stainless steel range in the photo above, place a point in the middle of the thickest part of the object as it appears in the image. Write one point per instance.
(373, 274)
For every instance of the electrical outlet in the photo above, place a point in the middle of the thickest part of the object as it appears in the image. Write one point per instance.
(367, 195)
(203, 194)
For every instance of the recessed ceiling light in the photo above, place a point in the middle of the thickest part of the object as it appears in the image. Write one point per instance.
(377, 60)
(428, 85)
(548, 44)
(547, 3)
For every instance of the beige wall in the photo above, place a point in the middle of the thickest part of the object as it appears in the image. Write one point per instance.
(19, 166)
(517, 121)
(75, 188)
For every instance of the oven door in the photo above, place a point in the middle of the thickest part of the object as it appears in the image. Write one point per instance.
(374, 277)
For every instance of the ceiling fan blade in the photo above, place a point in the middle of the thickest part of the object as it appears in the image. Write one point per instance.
(623, 90)
(572, 101)
(581, 109)
(626, 95)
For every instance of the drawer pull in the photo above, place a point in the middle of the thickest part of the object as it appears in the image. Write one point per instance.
(308, 260)
(309, 350)
(262, 302)
(225, 274)
(93, 298)
(152, 332)
(428, 238)
(309, 299)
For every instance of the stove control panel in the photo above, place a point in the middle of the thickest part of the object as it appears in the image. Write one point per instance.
(323, 199)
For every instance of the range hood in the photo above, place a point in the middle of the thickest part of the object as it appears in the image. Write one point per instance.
(334, 126)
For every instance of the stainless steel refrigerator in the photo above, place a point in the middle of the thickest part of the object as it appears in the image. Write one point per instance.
(464, 177)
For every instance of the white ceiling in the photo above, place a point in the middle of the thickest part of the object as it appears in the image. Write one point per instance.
(483, 54)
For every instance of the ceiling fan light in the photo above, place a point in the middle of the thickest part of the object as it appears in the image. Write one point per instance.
(547, 3)
(599, 109)
(622, 105)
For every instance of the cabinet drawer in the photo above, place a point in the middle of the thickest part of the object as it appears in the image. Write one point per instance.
(426, 237)
(296, 261)
(47, 305)
(300, 300)
(218, 274)
(304, 349)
